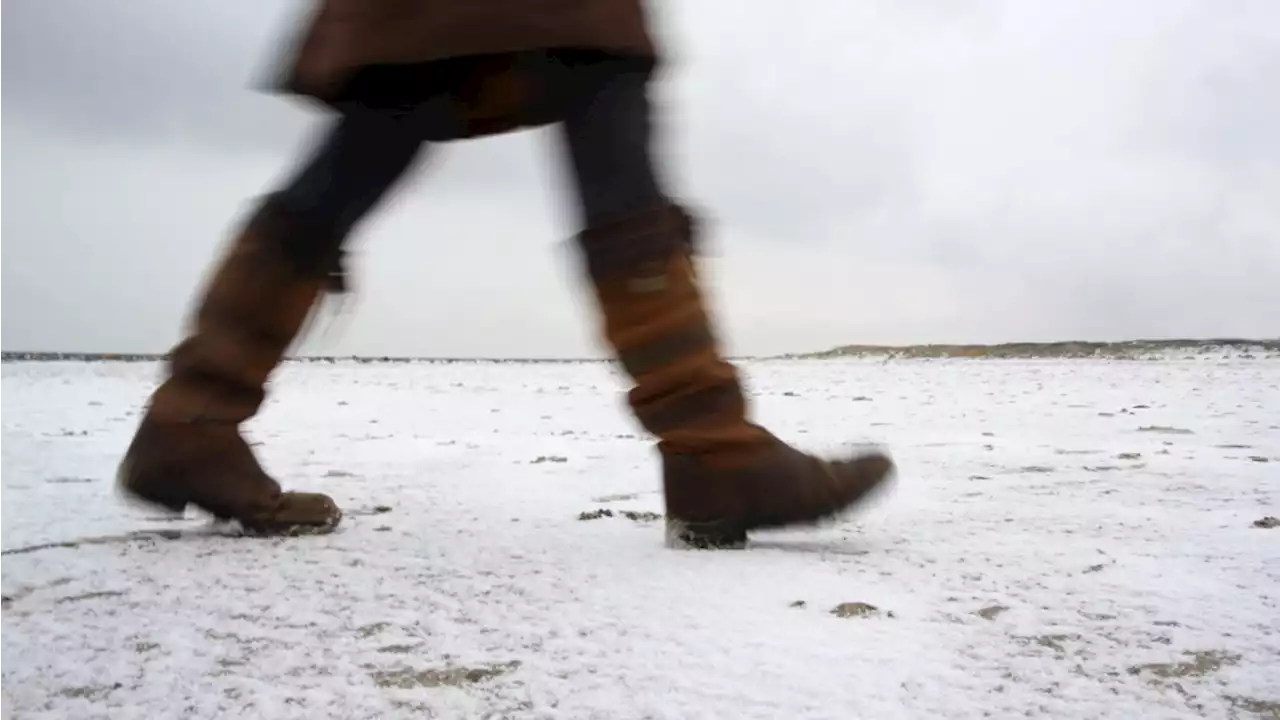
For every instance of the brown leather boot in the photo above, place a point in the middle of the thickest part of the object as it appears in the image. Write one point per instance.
(188, 448)
(723, 475)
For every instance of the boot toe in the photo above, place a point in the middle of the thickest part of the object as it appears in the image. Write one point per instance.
(297, 513)
(860, 476)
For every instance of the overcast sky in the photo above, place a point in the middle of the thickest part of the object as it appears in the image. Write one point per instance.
(875, 171)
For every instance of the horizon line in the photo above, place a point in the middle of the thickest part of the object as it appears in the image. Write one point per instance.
(867, 348)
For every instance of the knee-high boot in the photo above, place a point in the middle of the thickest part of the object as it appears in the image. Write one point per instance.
(723, 475)
(188, 448)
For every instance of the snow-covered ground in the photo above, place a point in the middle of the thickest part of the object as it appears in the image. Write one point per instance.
(1068, 539)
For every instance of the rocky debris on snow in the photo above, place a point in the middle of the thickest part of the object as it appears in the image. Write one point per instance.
(1034, 469)
(549, 458)
(1054, 642)
(1202, 662)
(798, 604)
(228, 667)
(855, 610)
(633, 515)
(338, 473)
(1261, 708)
(410, 678)
(1259, 458)
(1129, 456)
(90, 692)
(372, 629)
(1267, 523)
(991, 612)
(69, 480)
(404, 649)
(1096, 616)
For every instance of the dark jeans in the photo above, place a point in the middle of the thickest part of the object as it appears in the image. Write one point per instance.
(606, 132)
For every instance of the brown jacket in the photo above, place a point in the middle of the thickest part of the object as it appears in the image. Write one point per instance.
(344, 43)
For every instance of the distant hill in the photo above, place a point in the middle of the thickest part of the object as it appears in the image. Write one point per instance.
(1131, 349)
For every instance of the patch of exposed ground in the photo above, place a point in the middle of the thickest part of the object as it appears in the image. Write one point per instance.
(991, 612)
(633, 515)
(1201, 663)
(456, 676)
(856, 610)
(1166, 430)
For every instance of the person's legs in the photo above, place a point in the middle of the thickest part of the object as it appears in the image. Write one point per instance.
(188, 449)
(665, 340)
(722, 474)
(353, 168)
(608, 134)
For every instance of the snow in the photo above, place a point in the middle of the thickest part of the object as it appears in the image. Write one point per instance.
(1068, 539)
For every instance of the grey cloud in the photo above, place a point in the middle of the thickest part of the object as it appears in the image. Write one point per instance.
(148, 70)
(892, 171)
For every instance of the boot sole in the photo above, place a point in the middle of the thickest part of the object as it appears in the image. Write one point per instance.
(296, 530)
(725, 535)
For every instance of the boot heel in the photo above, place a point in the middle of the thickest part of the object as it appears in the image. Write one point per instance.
(167, 499)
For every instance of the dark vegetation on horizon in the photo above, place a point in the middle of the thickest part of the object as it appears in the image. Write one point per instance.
(1061, 349)
(1065, 349)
